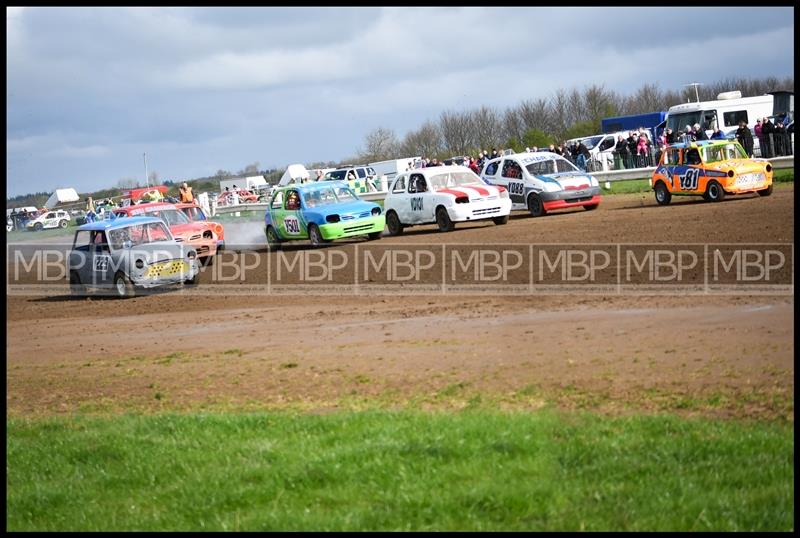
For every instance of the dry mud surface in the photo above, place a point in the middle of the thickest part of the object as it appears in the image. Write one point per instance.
(726, 355)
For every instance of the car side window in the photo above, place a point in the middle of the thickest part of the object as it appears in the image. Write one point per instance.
(511, 169)
(417, 183)
(491, 169)
(400, 184)
(292, 201)
(83, 240)
(99, 241)
(277, 200)
(361, 172)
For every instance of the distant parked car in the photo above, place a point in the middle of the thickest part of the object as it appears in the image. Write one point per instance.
(320, 212)
(49, 219)
(127, 254)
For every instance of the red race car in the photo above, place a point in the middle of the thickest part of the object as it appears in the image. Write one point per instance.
(205, 236)
(245, 197)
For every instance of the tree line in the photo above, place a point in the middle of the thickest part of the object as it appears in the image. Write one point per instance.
(542, 121)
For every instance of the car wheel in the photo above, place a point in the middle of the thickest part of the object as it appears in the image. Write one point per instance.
(374, 235)
(715, 192)
(393, 223)
(500, 220)
(535, 205)
(663, 196)
(123, 287)
(314, 235)
(273, 243)
(765, 192)
(194, 280)
(38, 226)
(62, 224)
(443, 220)
(76, 289)
(590, 207)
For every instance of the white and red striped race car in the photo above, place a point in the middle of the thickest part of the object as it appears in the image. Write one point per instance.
(443, 195)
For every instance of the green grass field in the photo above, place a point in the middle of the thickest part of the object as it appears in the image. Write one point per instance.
(404, 470)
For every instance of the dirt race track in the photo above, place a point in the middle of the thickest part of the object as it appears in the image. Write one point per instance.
(726, 355)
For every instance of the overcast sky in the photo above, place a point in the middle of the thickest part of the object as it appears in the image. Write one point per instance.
(89, 90)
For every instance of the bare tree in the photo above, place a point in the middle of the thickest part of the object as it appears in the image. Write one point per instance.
(456, 132)
(128, 183)
(486, 127)
(424, 142)
(249, 170)
(380, 144)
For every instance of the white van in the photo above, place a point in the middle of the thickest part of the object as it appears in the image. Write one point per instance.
(392, 167)
(725, 112)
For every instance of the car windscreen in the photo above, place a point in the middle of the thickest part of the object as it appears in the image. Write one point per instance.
(551, 166)
(592, 141)
(170, 216)
(328, 195)
(138, 234)
(336, 175)
(454, 179)
(713, 154)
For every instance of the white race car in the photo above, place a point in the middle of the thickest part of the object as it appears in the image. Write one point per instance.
(542, 181)
(50, 219)
(443, 195)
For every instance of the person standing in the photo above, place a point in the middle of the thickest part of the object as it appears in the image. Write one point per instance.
(745, 138)
(699, 134)
(621, 153)
(187, 196)
(767, 131)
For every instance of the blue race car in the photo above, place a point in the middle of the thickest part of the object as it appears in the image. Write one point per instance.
(320, 212)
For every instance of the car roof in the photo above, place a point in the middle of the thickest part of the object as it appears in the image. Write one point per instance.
(439, 169)
(700, 143)
(117, 223)
(306, 187)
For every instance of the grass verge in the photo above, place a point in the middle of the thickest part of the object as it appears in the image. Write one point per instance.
(381, 470)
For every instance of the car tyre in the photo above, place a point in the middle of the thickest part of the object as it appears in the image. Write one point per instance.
(535, 205)
(590, 207)
(393, 223)
(500, 220)
(76, 289)
(315, 236)
(62, 224)
(38, 226)
(714, 192)
(193, 281)
(663, 196)
(765, 192)
(273, 242)
(123, 287)
(374, 235)
(443, 220)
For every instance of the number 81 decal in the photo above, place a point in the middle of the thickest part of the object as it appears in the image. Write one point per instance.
(689, 179)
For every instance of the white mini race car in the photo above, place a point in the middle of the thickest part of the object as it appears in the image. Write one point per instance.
(443, 195)
(543, 181)
(50, 219)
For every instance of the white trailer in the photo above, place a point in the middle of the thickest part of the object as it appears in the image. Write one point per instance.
(725, 112)
(250, 183)
(392, 167)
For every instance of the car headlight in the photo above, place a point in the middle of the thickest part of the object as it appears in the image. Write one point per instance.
(552, 187)
(503, 192)
(731, 173)
(332, 218)
(769, 168)
(191, 254)
(462, 200)
(139, 263)
(376, 211)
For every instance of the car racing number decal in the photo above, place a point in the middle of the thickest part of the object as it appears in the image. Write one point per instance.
(292, 225)
(515, 187)
(101, 263)
(689, 179)
(416, 203)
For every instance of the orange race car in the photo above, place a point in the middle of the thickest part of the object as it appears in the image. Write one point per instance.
(711, 169)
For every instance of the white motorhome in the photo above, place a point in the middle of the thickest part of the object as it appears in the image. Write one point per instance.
(725, 112)
(392, 167)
